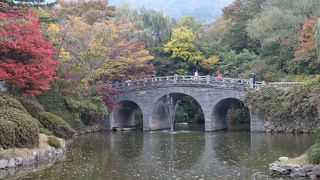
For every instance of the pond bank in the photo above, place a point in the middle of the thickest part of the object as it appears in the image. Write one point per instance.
(18, 161)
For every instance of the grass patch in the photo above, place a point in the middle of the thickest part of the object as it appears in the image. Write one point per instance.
(54, 142)
(302, 160)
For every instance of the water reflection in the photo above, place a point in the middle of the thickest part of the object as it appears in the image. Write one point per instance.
(163, 155)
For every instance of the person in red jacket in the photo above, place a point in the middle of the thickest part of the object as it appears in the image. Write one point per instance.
(219, 76)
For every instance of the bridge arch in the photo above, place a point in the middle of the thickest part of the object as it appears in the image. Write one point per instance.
(207, 91)
(220, 110)
(166, 106)
(126, 115)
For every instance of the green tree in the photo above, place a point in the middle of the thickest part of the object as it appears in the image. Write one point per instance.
(280, 21)
(233, 63)
(278, 26)
(190, 23)
(155, 28)
(236, 17)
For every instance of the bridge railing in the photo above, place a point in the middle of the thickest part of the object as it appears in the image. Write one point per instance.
(185, 80)
(200, 80)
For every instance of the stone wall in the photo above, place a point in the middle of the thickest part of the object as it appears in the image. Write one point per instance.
(92, 129)
(38, 160)
(306, 124)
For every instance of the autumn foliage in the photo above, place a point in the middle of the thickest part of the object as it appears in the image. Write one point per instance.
(106, 93)
(26, 58)
(307, 39)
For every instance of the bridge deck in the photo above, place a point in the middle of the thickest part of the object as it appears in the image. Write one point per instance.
(201, 81)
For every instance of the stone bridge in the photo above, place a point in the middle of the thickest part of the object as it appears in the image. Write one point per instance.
(153, 96)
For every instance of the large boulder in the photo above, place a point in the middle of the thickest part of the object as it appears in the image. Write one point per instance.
(290, 167)
(278, 171)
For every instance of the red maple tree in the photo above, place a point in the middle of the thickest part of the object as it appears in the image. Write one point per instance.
(106, 93)
(26, 58)
(306, 50)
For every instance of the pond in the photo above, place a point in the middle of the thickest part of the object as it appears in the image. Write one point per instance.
(179, 155)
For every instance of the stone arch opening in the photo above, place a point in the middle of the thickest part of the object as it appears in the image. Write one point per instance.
(231, 114)
(127, 116)
(177, 111)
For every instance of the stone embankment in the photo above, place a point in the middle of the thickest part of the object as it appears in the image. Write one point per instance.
(280, 169)
(291, 125)
(38, 160)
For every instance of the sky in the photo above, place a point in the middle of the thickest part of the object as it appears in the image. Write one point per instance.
(204, 10)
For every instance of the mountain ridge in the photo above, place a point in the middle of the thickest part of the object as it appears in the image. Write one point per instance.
(203, 10)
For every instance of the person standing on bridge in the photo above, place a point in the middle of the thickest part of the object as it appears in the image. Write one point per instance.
(239, 77)
(252, 77)
(153, 76)
(196, 75)
(219, 77)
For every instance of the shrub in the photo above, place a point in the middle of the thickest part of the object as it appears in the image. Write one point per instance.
(58, 126)
(54, 142)
(7, 101)
(268, 101)
(32, 106)
(7, 134)
(301, 101)
(313, 154)
(26, 130)
(91, 109)
(56, 104)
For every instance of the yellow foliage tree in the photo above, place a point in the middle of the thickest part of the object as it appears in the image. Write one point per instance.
(210, 63)
(182, 47)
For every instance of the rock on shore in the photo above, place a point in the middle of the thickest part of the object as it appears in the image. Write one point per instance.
(294, 170)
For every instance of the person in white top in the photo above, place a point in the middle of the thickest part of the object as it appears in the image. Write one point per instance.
(196, 75)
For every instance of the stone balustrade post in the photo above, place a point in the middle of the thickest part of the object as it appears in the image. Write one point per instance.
(208, 79)
(175, 78)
